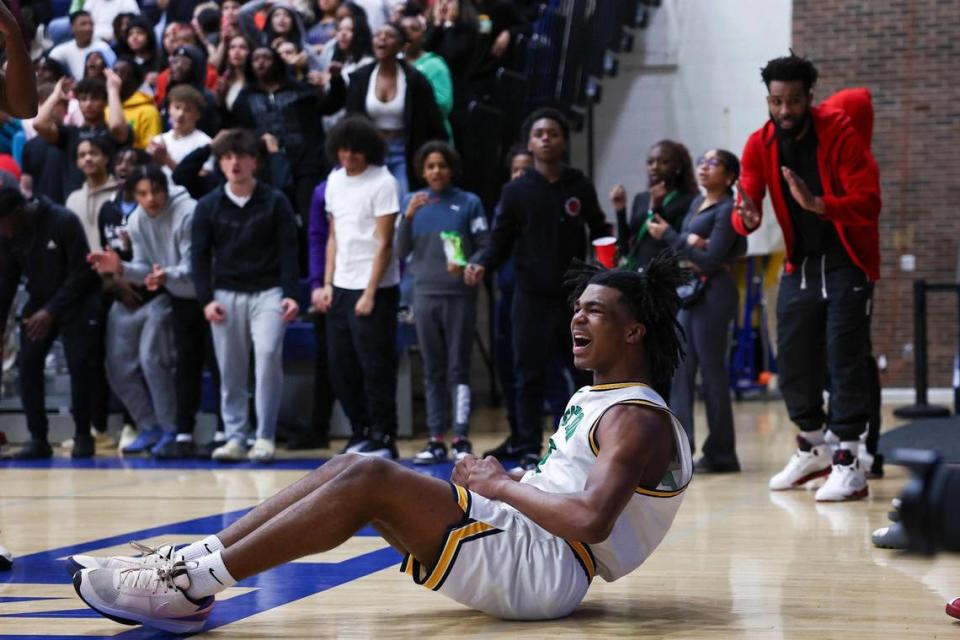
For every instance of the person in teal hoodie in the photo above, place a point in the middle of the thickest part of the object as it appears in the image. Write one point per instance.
(442, 229)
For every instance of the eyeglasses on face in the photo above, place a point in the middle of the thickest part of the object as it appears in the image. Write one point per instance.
(710, 162)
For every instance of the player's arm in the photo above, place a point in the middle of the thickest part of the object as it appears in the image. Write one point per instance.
(635, 448)
(18, 91)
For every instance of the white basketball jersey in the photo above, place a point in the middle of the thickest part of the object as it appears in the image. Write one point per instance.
(571, 453)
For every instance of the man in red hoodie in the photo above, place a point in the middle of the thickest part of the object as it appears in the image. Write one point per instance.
(824, 185)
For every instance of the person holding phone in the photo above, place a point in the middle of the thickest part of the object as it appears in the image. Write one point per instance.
(824, 185)
(672, 187)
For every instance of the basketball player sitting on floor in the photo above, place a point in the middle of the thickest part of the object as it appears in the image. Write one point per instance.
(600, 500)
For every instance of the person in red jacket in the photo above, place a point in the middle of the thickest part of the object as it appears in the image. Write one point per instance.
(824, 185)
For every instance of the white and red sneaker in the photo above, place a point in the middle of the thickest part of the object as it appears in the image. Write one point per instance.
(154, 597)
(847, 479)
(808, 463)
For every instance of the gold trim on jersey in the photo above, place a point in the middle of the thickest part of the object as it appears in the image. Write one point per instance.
(595, 446)
(462, 497)
(617, 385)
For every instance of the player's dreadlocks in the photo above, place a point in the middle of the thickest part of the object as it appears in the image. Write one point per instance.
(651, 296)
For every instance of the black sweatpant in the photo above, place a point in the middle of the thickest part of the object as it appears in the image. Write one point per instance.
(363, 357)
(191, 336)
(322, 391)
(823, 322)
(81, 336)
(541, 337)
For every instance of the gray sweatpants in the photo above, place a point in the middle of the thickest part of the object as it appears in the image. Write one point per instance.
(252, 320)
(140, 361)
(445, 327)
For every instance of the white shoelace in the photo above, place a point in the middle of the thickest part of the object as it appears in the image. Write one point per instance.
(152, 579)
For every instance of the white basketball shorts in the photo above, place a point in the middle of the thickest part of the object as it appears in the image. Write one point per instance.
(498, 561)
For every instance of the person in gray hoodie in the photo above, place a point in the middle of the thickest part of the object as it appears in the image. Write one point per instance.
(442, 229)
(142, 344)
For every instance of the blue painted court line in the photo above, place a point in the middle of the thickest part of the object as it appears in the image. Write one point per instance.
(271, 589)
(274, 588)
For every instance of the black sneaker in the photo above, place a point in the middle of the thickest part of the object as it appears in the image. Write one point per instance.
(380, 447)
(461, 448)
(356, 442)
(34, 450)
(83, 447)
(175, 450)
(434, 453)
(505, 451)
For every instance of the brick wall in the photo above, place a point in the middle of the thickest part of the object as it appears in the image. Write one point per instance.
(906, 52)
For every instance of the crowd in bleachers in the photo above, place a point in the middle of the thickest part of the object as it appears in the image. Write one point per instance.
(213, 156)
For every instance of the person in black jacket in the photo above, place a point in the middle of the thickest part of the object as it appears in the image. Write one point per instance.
(290, 111)
(45, 243)
(244, 259)
(400, 102)
(543, 219)
(672, 187)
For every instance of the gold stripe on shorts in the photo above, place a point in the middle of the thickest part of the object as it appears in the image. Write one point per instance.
(584, 557)
(451, 549)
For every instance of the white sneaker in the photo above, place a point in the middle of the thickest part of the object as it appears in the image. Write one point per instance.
(232, 451)
(153, 597)
(804, 466)
(127, 436)
(262, 451)
(847, 481)
(149, 558)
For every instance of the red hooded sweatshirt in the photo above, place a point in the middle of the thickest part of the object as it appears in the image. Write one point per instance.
(849, 175)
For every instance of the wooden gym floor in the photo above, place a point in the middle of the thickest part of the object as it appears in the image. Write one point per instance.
(739, 562)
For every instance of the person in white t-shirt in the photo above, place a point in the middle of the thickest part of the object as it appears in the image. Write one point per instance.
(169, 148)
(104, 11)
(73, 53)
(361, 289)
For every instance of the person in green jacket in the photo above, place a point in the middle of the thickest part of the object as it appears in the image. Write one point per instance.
(429, 64)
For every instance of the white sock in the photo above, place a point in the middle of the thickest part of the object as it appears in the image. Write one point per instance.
(197, 550)
(208, 577)
(184, 437)
(815, 438)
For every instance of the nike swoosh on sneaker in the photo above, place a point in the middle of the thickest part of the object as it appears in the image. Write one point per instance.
(214, 576)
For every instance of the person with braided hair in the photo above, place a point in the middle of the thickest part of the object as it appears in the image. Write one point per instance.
(600, 500)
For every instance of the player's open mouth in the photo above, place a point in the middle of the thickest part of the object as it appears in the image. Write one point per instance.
(580, 342)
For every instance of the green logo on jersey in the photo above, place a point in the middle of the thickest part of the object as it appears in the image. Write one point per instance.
(572, 418)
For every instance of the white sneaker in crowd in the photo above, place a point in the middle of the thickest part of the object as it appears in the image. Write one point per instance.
(847, 480)
(127, 436)
(808, 463)
(262, 450)
(232, 451)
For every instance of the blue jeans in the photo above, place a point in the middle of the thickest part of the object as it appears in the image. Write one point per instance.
(396, 162)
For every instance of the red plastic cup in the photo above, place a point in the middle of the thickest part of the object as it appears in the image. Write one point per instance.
(606, 250)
